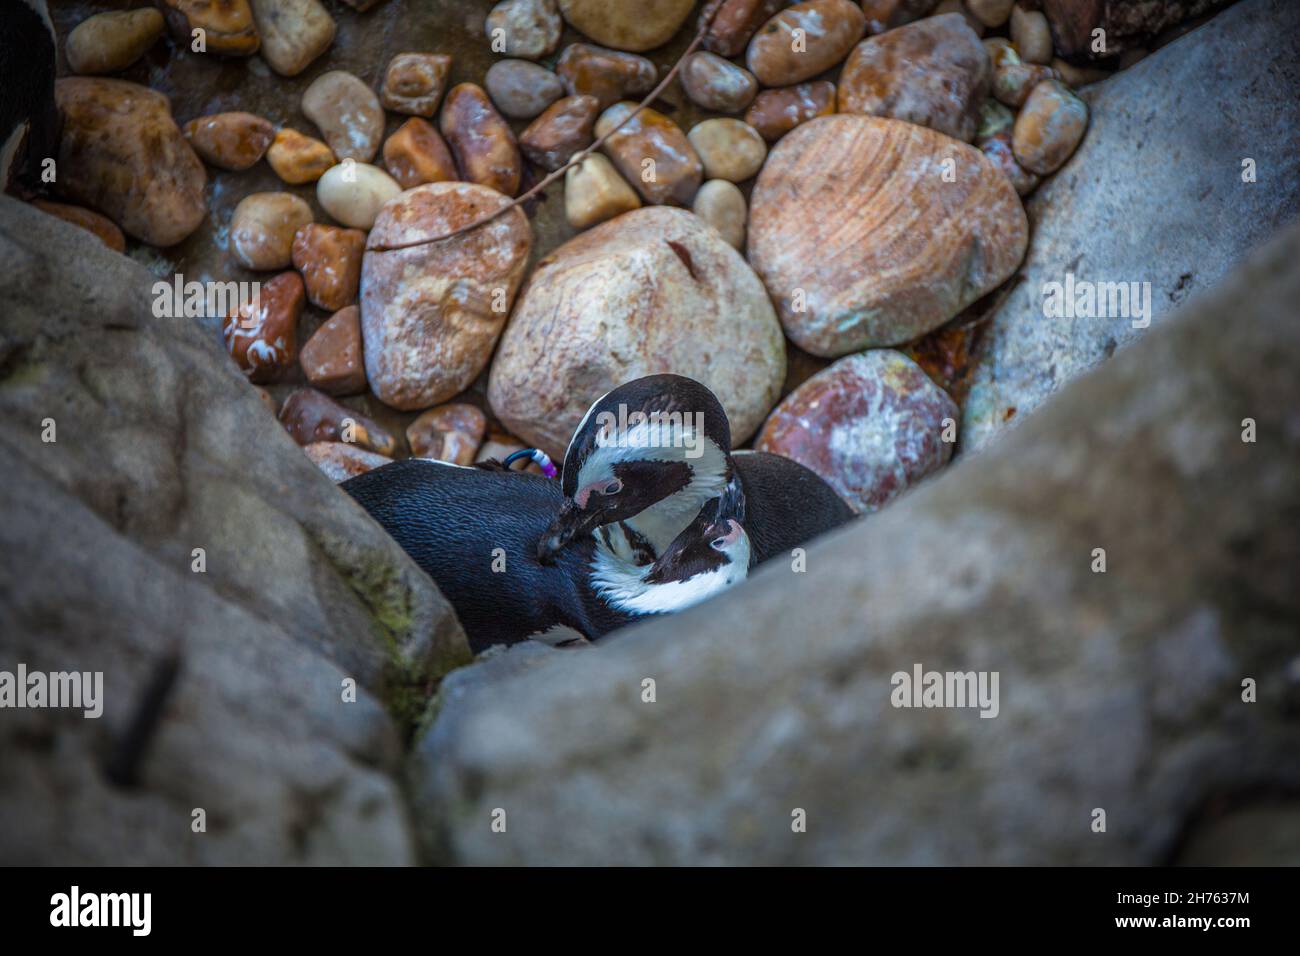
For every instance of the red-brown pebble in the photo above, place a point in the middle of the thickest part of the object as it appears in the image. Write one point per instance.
(312, 416)
(448, 433)
(263, 339)
(331, 358)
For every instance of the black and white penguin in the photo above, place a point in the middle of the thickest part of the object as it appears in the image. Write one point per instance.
(475, 532)
(29, 118)
(651, 453)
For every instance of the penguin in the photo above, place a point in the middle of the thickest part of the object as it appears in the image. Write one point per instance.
(29, 117)
(651, 453)
(475, 532)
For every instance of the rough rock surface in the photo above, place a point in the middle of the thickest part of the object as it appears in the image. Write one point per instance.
(1119, 690)
(933, 72)
(163, 448)
(1125, 24)
(1154, 194)
(870, 231)
(872, 425)
(654, 290)
(431, 314)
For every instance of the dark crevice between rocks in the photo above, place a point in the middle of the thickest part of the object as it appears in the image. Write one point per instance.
(14, 356)
(1218, 808)
(124, 765)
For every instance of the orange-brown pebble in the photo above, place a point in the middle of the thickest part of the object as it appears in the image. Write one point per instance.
(262, 336)
(934, 73)
(417, 154)
(650, 136)
(91, 221)
(449, 432)
(828, 30)
(1049, 128)
(608, 75)
(341, 462)
(297, 158)
(565, 127)
(312, 416)
(775, 112)
(734, 22)
(331, 358)
(414, 83)
(329, 258)
(227, 25)
(912, 249)
(234, 140)
(481, 140)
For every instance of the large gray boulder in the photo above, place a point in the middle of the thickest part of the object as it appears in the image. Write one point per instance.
(1119, 691)
(1154, 194)
(161, 448)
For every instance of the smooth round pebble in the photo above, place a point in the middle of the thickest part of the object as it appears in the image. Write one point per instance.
(1049, 128)
(347, 112)
(521, 90)
(991, 13)
(828, 31)
(594, 191)
(108, 42)
(232, 141)
(353, 193)
(729, 149)
(775, 112)
(722, 205)
(263, 226)
(527, 28)
(718, 84)
(627, 24)
(1031, 35)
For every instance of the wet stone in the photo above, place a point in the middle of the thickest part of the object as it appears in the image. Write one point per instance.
(520, 89)
(262, 337)
(312, 416)
(718, 84)
(652, 153)
(776, 112)
(329, 259)
(233, 141)
(565, 127)
(416, 154)
(347, 112)
(414, 83)
(608, 75)
(331, 358)
(298, 158)
(263, 227)
(448, 433)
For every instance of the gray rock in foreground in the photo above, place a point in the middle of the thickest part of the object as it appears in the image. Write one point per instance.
(162, 448)
(1118, 690)
(1154, 194)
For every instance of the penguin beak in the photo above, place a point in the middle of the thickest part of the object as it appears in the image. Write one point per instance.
(571, 522)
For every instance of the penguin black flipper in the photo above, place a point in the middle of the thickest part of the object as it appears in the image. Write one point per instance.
(786, 504)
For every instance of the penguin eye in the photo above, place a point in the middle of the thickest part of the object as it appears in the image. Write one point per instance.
(613, 488)
(718, 544)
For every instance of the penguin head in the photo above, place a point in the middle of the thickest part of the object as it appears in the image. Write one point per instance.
(710, 555)
(713, 546)
(662, 438)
